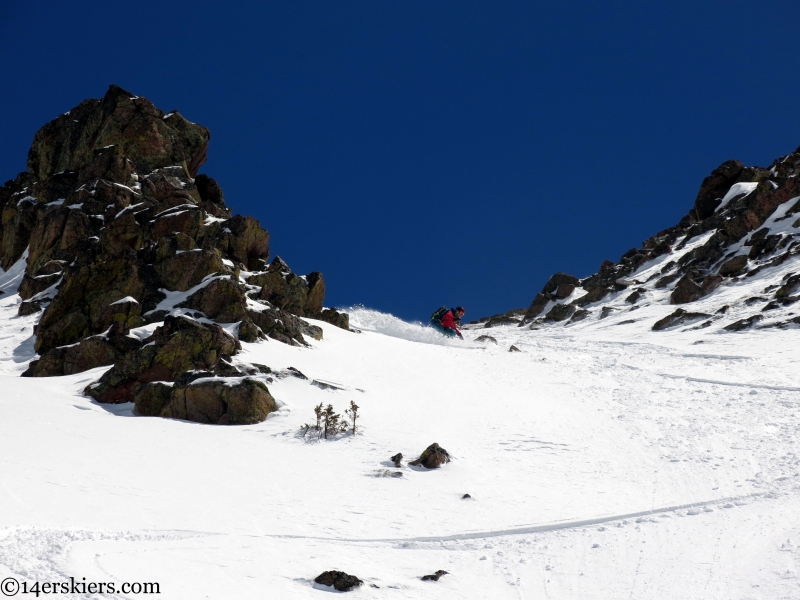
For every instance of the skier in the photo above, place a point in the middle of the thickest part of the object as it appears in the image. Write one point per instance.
(447, 321)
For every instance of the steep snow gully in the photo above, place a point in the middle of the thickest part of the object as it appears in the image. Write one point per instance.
(602, 461)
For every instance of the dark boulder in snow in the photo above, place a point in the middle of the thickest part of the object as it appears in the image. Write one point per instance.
(560, 312)
(633, 298)
(435, 576)
(339, 580)
(501, 320)
(790, 285)
(334, 317)
(579, 315)
(679, 317)
(29, 307)
(687, 290)
(664, 281)
(215, 400)
(433, 457)
(294, 372)
(733, 266)
(595, 294)
(743, 324)
(606, 311)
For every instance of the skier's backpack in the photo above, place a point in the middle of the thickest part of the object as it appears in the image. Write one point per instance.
(437, 316)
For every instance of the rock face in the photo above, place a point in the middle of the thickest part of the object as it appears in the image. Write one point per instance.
(743, 223)
(122, 232)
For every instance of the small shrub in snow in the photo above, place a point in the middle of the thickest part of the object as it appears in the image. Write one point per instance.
(352, 412)
(330, 423)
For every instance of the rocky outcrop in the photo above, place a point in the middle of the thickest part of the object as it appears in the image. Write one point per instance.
(140, 134)
(180, 345)
(714, 187)
(741, 225)
(299, 295)
(550, 291)
(121, 232)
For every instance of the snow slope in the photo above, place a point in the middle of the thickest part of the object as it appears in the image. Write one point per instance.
(604, 461)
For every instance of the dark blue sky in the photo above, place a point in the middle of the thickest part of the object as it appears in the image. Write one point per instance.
(423, 153)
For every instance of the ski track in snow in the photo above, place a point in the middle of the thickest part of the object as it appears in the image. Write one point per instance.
(600, 466)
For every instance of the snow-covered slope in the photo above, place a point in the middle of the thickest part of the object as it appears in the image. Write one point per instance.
(616, 447)
(603, 461)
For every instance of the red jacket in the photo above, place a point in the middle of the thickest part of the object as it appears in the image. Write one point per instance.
(448, 321)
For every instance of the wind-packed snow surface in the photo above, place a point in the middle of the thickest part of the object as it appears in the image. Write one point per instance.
(603, 461)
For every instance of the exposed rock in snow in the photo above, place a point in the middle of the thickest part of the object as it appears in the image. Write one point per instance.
(339, 580)
(433, 457)
(739, 237)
